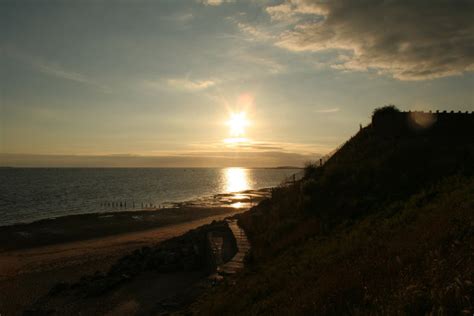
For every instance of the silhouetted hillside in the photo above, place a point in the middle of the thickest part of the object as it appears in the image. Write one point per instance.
(389, 160)
(385, 226)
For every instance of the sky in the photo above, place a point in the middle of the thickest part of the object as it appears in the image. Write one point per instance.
(135, 83)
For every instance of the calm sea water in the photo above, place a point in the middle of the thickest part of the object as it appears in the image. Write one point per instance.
(30, 194)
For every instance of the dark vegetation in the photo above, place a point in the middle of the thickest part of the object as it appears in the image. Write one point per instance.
(385, 226)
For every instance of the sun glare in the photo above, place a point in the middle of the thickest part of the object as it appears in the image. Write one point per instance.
(237, 124)
(236, 179)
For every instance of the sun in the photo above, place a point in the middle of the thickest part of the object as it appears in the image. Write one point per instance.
(237, 124)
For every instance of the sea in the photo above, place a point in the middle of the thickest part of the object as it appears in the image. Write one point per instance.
(31, 194)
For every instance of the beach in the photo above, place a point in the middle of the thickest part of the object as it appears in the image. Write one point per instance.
(36, 256)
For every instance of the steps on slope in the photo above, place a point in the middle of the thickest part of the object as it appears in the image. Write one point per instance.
(243, 247)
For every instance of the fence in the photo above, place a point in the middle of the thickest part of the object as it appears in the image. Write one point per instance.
(131, 205)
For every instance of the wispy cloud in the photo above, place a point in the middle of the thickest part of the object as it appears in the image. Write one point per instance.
(267, 63)
(255, 32)
(53, 69)
(179, 84)
(250, 145)
(57, 71)
(280, 12)
(214, 2)
(331, 110)
(293, 10)
(179, 18)
(191, 85)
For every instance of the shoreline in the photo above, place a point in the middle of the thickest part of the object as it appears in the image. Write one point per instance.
(79, 227)
(240, 199)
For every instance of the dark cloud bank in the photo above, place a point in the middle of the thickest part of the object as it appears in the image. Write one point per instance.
(410, 40)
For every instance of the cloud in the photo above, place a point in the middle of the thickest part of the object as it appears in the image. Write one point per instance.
(52, 69)
(215, 2)
(256, 33)
(409, 40)
(182, 84)
(280, 12)
(289, 10)
(250, 145)
(179, 17)
(331, 110)
(190, 85)
(57, 71)
(267, 63)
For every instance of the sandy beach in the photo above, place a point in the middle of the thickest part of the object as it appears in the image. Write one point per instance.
(36, 256)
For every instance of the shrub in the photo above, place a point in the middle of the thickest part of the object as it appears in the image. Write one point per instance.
(388, 109)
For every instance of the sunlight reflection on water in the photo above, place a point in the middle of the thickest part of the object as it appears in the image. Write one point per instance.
(236, 179)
